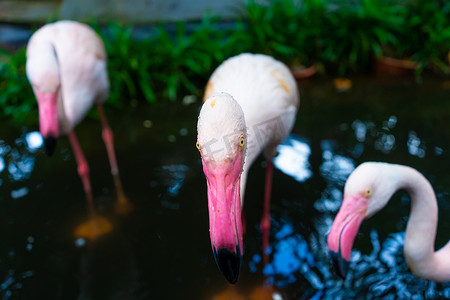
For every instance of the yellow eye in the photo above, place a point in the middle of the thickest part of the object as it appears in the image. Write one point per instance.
(197, 145)
(242, 142)
(368, 192)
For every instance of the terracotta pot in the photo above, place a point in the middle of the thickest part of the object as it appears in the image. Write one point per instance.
(394, 66)
(301, 72)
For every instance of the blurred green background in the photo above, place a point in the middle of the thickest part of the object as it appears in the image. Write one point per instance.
(155, 58)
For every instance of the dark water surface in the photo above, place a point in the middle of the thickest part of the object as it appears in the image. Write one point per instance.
(162, 249)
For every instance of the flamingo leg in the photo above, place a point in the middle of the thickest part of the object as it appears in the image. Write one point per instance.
(97, 225)
(123, 205)
(83, 171)
(265, 222)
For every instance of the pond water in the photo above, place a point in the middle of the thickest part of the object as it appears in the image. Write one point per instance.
(162, 250)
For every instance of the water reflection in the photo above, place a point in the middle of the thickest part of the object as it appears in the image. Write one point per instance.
(384, 139)
(4, 148)
(360, 129)
(13, 282)
(390, 123)
(293, 258)
(293, 158)
(19, 193)
(415, 145)
(290, 255)
(2, 164)
(335, 168)
(2, 167)
(385, 143)
(20, 165)
(109, 272)
(34, 141)
(173, 177)
(14, 278)
(18, 159)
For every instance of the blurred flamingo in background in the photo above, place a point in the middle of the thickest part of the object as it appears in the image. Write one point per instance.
(66, 66)
(251, 103)
(368, 190)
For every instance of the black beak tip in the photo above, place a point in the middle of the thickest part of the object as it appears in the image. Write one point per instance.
(229, 263)
(340, 264)
(50, 145)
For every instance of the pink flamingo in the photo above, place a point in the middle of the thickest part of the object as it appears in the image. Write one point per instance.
(251, 102)
(66, 66)
(368, 189)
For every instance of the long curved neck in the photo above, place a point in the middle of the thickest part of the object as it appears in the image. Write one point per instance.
(421, 229)
(257, 142)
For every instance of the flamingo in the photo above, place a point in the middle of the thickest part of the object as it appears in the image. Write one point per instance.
(66, 67)
(250, 106)
(368, 190)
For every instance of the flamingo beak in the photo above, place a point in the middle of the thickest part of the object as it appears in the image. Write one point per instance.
(344, 230)
(225, 224)
(229, 262)
(50, 145)
(48, 119)
(340, 264)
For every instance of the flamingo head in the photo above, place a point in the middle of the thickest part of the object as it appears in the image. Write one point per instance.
(367, 190)
(42, 70)
(222, 144)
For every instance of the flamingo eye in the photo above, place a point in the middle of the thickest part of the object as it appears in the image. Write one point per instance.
(197, 145)
(368, 192)
(242, 142)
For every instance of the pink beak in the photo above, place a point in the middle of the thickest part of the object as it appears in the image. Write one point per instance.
(344, 230)
(48, 119)
(225, 224)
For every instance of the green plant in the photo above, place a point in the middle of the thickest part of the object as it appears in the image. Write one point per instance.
(271, 28)
(127, 65)
(312, 26)
(177, 59)
(165, 65)
(356, 32)
(16, 97)
(425, 36)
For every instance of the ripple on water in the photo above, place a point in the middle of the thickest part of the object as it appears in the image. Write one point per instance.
(293, 158)
(290, 256)
(19, 159)
(13, 282)
(381, 274)
(19, 193)
(172, 177)
(34, 141)
(2, 164)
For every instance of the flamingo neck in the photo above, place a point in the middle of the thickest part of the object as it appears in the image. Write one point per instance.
(256, 145)
(243, 184)
(421, 229)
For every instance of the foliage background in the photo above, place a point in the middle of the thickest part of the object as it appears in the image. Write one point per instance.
(174, 60)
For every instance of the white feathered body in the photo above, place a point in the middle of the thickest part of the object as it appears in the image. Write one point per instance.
(73, 53)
